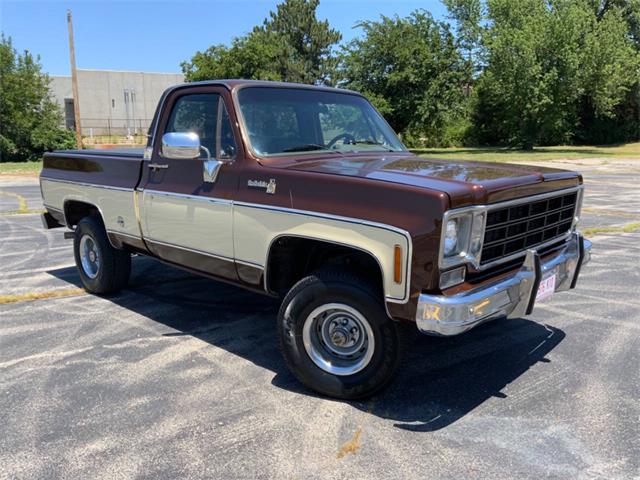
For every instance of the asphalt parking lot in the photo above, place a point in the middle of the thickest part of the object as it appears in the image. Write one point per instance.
(180, 377)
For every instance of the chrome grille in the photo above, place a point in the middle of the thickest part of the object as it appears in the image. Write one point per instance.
(513, 229)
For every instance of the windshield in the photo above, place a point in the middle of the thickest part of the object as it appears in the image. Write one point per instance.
(282, 121)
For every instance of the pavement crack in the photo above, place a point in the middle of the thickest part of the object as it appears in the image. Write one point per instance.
(38, 356)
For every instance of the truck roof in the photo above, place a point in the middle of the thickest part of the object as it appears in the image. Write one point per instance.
(234, 84)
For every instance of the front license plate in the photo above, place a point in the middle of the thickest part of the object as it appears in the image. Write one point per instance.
(546, 288)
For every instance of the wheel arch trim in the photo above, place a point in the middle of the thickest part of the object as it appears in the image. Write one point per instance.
(72, 199)
(311, 224)
(386, 298)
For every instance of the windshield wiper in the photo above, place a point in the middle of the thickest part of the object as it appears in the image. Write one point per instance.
(372, 142)
(307, 147)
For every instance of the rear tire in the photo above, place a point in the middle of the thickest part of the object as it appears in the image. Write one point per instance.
(102, 268)
(336, 337)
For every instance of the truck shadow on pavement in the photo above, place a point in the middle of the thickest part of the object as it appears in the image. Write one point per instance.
(441, 380)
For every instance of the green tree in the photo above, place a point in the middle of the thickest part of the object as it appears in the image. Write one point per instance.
(628, 9)
(254, 56)
(29, 119)
(291, 45)
(544, 60)
(468, 15)
(307, 43)
(611, 63)
(412, 71)
(601, 120)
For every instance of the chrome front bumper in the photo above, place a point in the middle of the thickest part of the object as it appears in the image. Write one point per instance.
(510, 297)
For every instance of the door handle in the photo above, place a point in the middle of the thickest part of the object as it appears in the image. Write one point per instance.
(158, 166)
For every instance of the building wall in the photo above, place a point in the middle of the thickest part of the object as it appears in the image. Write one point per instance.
(112, 102)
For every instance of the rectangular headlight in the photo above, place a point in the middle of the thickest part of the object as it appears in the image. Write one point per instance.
(456, 233)
(462, 237)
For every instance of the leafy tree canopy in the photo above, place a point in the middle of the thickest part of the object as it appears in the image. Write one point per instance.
(468, 16)
(29, 119)
(548, 61)
(291, 45)
(412, 71)
(511, 73)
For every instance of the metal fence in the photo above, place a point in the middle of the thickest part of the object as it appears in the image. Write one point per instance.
(97, 127)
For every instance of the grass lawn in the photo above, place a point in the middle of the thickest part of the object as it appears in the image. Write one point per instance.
(628, 150)
(20, 168)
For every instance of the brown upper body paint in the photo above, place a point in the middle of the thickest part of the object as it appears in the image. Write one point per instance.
(394, 188)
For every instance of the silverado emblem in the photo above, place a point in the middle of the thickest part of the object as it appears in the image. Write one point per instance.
(270, 186)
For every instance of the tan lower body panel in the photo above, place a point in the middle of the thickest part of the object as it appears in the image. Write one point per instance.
(199, 223)
(115, 205)
(255, 228)
(238, 231)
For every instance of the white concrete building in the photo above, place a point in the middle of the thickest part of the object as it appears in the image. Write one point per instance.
(113, 102)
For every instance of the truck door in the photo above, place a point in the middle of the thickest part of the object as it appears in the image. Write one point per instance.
(186, 218)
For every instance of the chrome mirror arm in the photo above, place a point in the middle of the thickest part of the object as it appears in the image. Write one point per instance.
(206, 150)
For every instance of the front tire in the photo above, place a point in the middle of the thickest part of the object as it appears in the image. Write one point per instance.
(336, 337)
(102, 268)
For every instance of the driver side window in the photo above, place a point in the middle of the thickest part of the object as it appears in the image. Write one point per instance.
(206, 115)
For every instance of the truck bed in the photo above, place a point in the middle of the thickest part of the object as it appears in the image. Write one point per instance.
(104, 152)
(103, 178)
(118, 168)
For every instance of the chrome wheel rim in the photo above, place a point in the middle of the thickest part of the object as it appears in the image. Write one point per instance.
(90, 257)
(338, 339)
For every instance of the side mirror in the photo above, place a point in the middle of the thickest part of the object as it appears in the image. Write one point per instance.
(180, 145)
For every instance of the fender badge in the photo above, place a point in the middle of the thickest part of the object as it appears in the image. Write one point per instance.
(270, 186)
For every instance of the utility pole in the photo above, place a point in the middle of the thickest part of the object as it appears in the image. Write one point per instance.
(74, 83)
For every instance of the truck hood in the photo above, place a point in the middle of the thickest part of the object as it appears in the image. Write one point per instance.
(464, 182)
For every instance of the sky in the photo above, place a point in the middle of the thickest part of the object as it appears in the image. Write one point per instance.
(156, 36)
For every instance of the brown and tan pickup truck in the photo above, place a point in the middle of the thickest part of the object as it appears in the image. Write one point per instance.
(306, 193)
